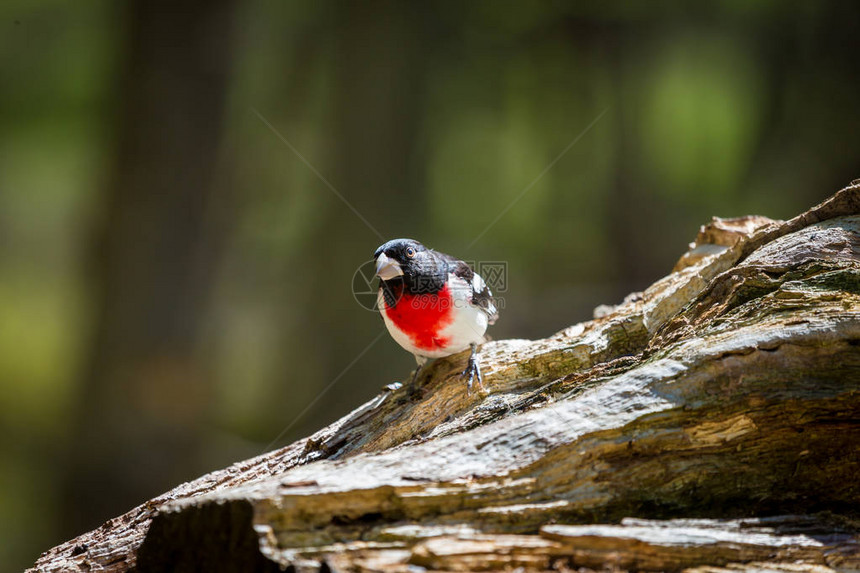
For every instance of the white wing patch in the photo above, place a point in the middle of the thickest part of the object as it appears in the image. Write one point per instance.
(479, 286)
(478, 283)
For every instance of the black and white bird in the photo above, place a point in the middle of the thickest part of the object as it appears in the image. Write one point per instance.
(433, 304)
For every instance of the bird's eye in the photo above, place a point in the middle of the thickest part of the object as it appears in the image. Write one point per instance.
(410, 252)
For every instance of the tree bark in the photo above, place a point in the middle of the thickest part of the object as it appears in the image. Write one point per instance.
(711, 421)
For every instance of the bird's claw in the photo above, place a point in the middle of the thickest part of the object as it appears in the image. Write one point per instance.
(473, 371)
(415, 375)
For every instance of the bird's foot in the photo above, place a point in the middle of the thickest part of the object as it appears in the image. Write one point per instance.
(415, 374)
(473, 371)
(422, 362)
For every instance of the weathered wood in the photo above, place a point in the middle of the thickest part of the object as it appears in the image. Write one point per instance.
(728, 389)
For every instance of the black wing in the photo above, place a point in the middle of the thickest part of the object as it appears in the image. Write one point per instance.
(482, 296)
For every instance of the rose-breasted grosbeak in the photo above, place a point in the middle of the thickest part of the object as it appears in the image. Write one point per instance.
(433, 304)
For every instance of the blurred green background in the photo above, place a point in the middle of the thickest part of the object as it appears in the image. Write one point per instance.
(175, 280)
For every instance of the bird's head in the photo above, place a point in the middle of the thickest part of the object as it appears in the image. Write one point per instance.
(399, 257)
(409, 259)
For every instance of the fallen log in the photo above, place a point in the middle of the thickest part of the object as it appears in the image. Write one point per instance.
(711, 421)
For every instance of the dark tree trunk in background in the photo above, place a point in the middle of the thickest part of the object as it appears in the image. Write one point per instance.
(380, 70)
(379, 74)
(143, 391)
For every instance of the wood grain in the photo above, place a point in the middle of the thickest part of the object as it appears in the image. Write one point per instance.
(658, 436)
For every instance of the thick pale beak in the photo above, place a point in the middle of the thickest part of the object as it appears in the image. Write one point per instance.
(387, 268)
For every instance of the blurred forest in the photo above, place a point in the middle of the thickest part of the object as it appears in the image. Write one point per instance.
(176, 262)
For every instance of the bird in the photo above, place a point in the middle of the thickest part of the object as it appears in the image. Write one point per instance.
(433, 305)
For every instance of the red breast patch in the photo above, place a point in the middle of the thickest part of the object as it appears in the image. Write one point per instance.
(422, 317)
